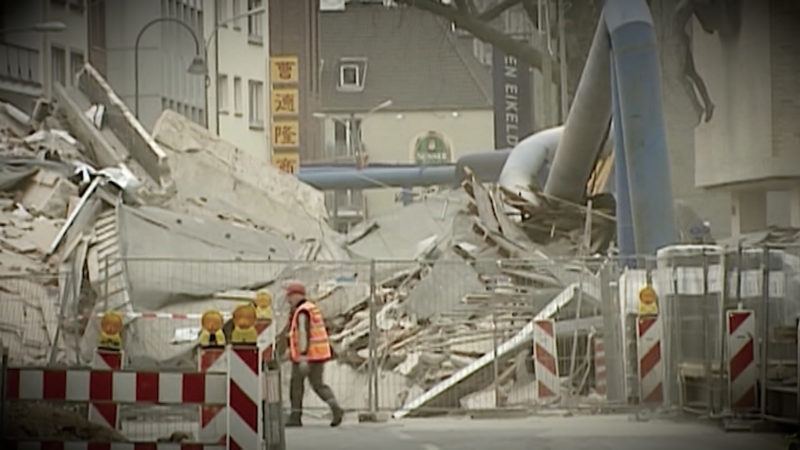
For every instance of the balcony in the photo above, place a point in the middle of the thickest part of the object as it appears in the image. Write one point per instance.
(19, 65)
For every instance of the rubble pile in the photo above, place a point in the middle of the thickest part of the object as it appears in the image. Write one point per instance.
(99, 214)
(441, 314)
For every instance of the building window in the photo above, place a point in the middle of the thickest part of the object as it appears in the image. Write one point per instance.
(222, 92)
(59, 64)
(76, 64)
(256, 99)
(255, 22)
(237, 96)
(352, 72)
(221, 13)
(342, 139)
(237, 11)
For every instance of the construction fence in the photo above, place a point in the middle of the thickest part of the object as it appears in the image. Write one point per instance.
(420, 337)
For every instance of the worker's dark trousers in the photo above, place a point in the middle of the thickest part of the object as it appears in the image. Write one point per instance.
(297, 387)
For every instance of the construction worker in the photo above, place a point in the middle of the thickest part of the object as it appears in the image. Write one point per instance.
(309, 349)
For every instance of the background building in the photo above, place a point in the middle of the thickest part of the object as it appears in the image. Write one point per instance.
(751, 147)
(166, 51)
(408, 88)
(238, 73)
(33, 60)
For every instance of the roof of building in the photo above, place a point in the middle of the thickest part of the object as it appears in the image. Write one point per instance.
(412, 58)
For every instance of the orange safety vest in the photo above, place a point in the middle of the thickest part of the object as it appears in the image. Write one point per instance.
(319, 349)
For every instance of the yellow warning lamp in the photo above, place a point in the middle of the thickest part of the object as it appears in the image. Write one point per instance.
(244, 319)
(211, 334)
(263, 303)
(648, 301)
(110, 329)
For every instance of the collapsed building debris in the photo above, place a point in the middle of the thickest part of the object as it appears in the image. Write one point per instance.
(111, 210)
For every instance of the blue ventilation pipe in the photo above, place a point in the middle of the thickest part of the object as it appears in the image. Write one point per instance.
(636, 65)
(625, 240)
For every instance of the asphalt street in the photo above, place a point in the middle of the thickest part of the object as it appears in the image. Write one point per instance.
(600, 432)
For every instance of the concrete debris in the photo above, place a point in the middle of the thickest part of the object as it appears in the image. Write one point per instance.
(109, 212)
(275, 200)
(49, 194)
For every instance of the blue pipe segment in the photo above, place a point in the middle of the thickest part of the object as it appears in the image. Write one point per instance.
(636, 64)
(485, 165)
(625, 239)
(379, 177)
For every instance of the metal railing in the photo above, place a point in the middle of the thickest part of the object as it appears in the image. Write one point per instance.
(450, 334)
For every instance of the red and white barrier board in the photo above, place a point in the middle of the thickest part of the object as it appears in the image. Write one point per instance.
(213, 418)
(115, 387)
(742, 370)
(651, 366)
(546, 359)
(106, 414)
(244, 398)
(600, 383)
(81, 445)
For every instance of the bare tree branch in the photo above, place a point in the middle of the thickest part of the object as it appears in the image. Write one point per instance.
(483, 31)
(497, 9)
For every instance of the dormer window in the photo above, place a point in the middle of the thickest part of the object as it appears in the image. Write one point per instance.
(352, 72)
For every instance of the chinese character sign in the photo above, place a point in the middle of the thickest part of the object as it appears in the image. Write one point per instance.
(285, 102)
(286, 161)
(285, 134)
(284, 69)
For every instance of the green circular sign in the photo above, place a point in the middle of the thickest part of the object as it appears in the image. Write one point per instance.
(431, 149)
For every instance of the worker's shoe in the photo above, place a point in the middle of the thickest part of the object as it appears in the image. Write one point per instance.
(338, 414)
(294, 421)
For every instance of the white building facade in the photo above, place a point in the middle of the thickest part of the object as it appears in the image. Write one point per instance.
(238, 73)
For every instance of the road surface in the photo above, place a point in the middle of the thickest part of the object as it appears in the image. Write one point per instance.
(601, 432)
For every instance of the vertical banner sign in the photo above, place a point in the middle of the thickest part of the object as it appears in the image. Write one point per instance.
(285, 112)
(513, 100)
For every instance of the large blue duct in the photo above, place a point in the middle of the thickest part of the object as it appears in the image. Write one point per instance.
(485, 165)
(638, 84)
(625, 239)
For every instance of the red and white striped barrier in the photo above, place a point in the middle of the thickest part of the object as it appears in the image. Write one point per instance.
(546, 359)
(600, 365)
(213, 419)
(266, 339)
(82, 445)
(244, 398)
(106, 414)
(651, 367)
(742, 370)
(115, 387)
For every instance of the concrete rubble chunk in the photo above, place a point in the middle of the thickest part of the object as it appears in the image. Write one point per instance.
(206, 166)
(141, 146)
(49, 194)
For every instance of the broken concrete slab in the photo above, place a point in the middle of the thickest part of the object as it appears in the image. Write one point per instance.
(443, 289)
(139, 143)
(150, 232)
(49, 194)
(400, 230)
(206, 166)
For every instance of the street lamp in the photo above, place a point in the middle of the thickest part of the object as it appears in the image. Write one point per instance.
(197, 67)
(212, 35)
(41, 27)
